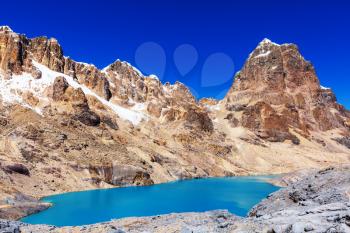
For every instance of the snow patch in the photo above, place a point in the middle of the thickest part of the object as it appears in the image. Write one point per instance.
(133, 116)
(85, 64)
(325, 88)
(133, 67)
(263, 45)
(264, 54)
(139, 107)
(54, 40)
(11, 91)
(124, 63)
(153, 76)
(267, 41)
(104, 70)
(215, 107)
(5, 28)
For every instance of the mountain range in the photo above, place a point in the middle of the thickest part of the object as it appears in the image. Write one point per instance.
(69, 126)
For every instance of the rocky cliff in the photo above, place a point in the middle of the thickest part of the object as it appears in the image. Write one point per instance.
(277, 92)
(67, 125)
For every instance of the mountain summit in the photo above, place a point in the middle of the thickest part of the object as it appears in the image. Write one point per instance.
(68, 126)
(281, 93)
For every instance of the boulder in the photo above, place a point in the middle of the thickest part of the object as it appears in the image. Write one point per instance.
(120, 175)
(18, 168)
(88, 118)
(199, 119)
(234, 122)
(345, 141)
(110, 122)
(59, 88)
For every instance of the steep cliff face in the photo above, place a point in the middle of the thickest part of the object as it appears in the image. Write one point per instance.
(71, 126)
(278, 91)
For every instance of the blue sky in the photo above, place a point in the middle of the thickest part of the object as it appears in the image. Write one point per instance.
(99, 32)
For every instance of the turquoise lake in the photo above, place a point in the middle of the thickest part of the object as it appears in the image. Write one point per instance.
(236, 194)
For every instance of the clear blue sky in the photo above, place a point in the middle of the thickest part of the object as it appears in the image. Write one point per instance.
(99, 32)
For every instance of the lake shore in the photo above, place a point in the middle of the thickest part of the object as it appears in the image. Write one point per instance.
(25, 206)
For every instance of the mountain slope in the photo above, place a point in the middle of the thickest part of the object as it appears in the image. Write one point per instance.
(66, 125)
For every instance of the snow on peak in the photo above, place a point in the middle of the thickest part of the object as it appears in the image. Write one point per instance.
(325, 88)
(132, 67)
(264, 54)
(53, 40)
(127, 64)
(5, 28)
(263, 48)
(11, 91)
(153, 76)
(84, 63)
(267, 41)
(133, 116)
(106, 68)
(215, 107)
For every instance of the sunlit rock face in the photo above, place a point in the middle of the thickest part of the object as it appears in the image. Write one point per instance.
(119, 82)
(277, 89)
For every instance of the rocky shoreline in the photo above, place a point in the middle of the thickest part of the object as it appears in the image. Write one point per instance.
(312, 201)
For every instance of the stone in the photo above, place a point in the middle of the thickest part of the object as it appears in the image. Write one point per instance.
(110, 122)
(234, 122)
(3, 121)
(60, 86)
(88, 118)
(343, 141)
(235, 107)
(199, 119)
(18, 168)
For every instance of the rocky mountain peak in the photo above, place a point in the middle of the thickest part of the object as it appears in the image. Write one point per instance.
(279, 90)
(274, 68)
(123, 67)
(5, 28)
(267, 42)
(263, 49)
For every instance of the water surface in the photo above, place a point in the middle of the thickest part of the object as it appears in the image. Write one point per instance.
(236, 194)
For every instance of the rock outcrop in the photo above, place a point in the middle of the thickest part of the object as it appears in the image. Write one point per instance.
(318, 202)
